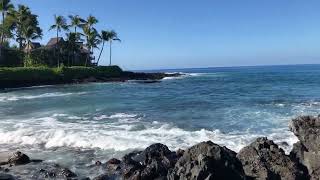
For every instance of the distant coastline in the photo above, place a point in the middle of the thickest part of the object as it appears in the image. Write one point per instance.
(39, 76)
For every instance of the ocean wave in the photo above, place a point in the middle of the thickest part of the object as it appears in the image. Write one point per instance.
(6, 98)
(49, 132)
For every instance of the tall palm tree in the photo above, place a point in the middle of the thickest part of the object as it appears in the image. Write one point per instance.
(76, 22)
(104, 36)
(91, 34)
(59, 24)
(5, 6)
(32, 33)
(113, 36)
(91, 20)
(21, 17)
(92, 41)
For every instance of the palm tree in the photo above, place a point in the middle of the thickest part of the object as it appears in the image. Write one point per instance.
(113, 36)
(104, 36)
(20, 17)
(32, 33)
(93, 39)
(60, 24)
(91, 20)
(5, 6)
(92, 36)
(76, 22)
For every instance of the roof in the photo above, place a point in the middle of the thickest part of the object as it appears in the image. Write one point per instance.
(32, 45)
(35, 45)
(54, 41)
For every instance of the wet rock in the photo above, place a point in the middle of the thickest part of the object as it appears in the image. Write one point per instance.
(307, 129)
(98, 163)
(114, 161)
(207, 160)
(180, 152)
(307, 150)
(18, 158)
(55, 171)
(102, 177)
(113, 164)
(263, 159)
(297, 152)
(6, 177)
(152, 163)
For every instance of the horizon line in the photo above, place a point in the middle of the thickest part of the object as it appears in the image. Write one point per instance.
(267, 65)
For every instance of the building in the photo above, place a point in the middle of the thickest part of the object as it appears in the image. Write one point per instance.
(31, 46)
(54, 41)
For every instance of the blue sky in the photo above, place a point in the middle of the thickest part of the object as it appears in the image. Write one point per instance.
(203, 33)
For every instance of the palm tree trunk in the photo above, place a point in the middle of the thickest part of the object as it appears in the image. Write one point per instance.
(100, 52)
(2, 32)
(88, 57)
(110, 51)
(55, 51)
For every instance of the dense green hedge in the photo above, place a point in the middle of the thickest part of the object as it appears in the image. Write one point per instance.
(41, 75)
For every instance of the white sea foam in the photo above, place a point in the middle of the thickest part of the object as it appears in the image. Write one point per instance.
(49, 132)
(6, 98)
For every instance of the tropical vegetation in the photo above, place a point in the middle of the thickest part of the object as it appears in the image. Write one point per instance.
(76, 39)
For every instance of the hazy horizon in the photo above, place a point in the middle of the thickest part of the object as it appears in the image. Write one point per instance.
(186, 34)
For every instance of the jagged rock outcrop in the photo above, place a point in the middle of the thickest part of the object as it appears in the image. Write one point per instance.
(263, 159)
(16, 158)
(152, 163)
(307, 129)
(307, 150)
(207, 160)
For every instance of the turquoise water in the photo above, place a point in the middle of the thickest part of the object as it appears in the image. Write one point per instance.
(75, 125)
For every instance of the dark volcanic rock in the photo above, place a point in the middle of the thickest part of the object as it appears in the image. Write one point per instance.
(18, 158)
(152, 163)
(102, 177)
(55, 171)
(307, 129)
(207, 160)
(307, 150)
(263, 159)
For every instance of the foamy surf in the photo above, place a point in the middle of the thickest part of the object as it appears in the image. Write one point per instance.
(121, 134)
(7, 97)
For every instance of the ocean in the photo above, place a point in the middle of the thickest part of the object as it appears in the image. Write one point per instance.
(76, 125)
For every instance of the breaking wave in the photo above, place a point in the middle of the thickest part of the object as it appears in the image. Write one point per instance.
(121, 132)
(6, 97)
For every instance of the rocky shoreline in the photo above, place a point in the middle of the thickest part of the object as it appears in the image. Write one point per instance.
(125, 76)
(262, 159)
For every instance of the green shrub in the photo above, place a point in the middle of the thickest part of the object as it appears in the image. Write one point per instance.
(28, 74)
(35, 75)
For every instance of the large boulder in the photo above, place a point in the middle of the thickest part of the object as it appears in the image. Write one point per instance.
(54, 171)
(152, 163)
(307, 129)
(263, 159)
(18, 158)
(307, 150)
(207, 160)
